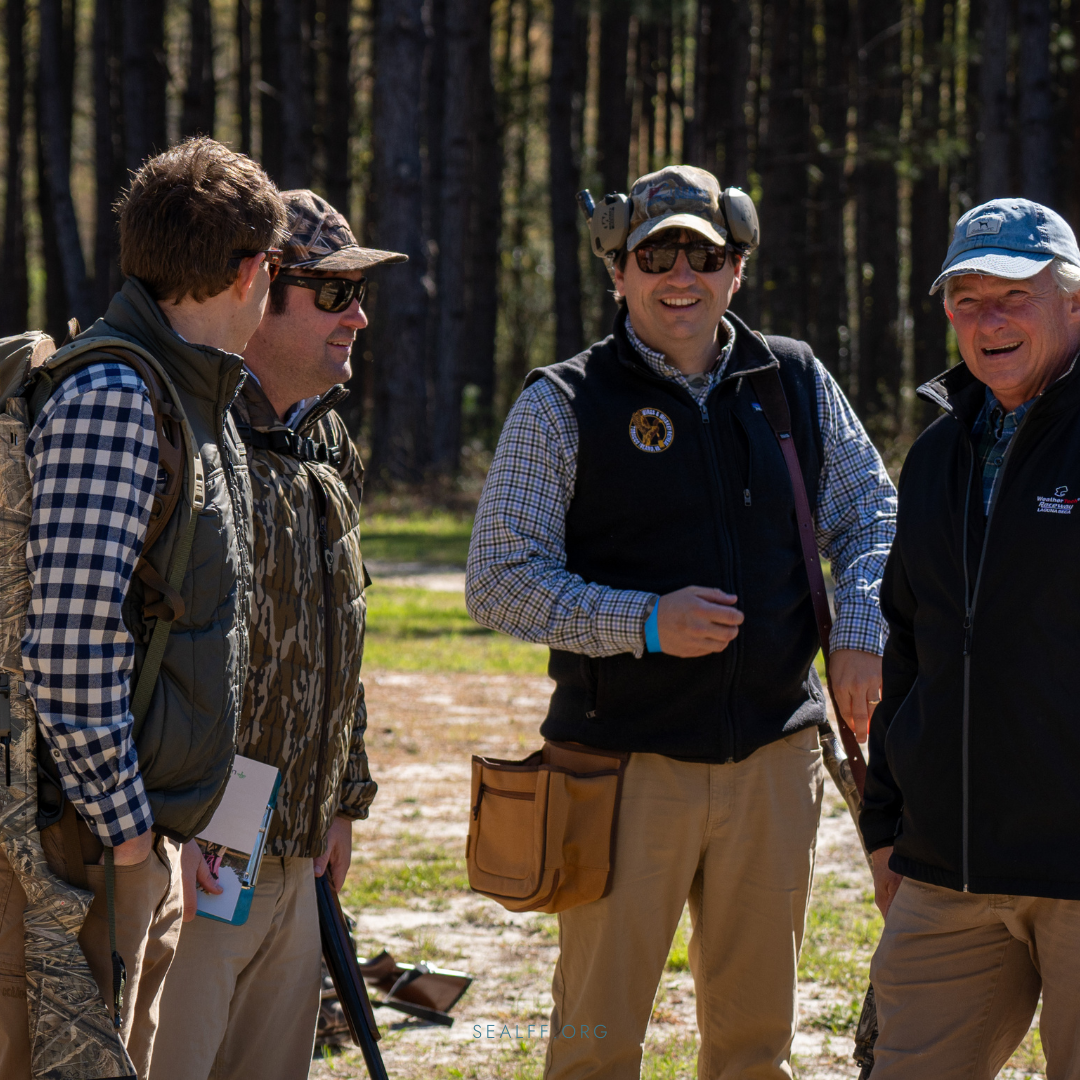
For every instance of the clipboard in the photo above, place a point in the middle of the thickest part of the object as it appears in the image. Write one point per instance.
(235, 839)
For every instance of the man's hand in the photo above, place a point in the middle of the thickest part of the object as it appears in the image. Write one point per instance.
(696, 621)
(338, 853)
(131, 852)
(886, 881)
(856, 685)
(195, 873)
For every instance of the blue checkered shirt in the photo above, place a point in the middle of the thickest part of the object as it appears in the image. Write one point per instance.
(992, 432)
(517, 579)
(93, 461)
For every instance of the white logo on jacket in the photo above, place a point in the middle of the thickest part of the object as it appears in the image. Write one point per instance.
(1056, 503)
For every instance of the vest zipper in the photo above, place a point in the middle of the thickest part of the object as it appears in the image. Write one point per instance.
(326, 564)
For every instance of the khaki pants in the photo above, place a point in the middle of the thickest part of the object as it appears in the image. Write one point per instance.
(149, 910)
(243, 1001)
(738, 840)
(957, 978)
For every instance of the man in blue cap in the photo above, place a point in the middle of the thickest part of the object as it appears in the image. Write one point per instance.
(971, 799)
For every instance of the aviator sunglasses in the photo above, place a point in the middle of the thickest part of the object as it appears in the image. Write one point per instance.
(273, 258)
(703, 256)
(331, 293)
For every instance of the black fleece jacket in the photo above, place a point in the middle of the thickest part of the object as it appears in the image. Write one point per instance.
(975, 748)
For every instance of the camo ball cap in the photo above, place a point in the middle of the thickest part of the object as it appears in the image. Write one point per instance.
(320, 238)
(679, 197)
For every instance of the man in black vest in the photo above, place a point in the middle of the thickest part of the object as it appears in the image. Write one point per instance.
(971, 795)
(639, 519)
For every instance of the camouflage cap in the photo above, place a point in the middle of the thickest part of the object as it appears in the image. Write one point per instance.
(678, 197)
(320, 238)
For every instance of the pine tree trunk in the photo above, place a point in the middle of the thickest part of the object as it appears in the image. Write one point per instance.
(994, 101)
(485, 228)
(198, 114)
(454, 191)
(270, 91)
(878, 210)
(14, 288)
(832, 340)
(337, 114)
(55, 87)
(613, 127)
(145, 78)
(294, 93)
(784, 157)
(564, 100)
(108, 149)
(723, 71)
(1036, 106)
(930, 221)
(395, 212)
(243, 74)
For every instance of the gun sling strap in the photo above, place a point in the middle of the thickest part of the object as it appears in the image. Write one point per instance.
(770, 394)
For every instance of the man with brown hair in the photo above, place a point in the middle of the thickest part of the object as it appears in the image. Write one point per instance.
(198, 226)
(243, 1000)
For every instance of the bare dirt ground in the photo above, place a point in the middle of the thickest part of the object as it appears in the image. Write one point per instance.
(423, 730)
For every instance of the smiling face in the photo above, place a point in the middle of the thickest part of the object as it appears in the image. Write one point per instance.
(678, 312)
(1015, 336)
(304, 351)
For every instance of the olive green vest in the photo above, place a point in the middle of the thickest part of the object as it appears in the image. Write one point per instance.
(186, 741)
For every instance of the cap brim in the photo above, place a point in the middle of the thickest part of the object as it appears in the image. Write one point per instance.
(676, 221)
(349, 258)
(994, 262)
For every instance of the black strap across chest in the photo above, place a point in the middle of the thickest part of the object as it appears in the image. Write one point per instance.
(291, 444)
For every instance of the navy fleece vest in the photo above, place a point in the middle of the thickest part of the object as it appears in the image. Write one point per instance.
(670, 495)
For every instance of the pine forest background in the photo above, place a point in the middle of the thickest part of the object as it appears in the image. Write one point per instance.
(458, 131)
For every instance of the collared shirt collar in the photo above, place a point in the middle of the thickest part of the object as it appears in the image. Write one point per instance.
(697, 386)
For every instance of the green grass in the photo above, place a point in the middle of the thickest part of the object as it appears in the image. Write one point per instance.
(679, 955)
(841, 933)
(414, 870)
(423, 630)
(438, 538)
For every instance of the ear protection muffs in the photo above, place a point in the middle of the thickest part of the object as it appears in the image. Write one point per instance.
(609, 222)
(742, 220)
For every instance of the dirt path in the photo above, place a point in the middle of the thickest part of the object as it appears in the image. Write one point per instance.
(423, 730)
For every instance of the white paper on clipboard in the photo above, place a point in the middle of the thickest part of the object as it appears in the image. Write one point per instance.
(239, 817)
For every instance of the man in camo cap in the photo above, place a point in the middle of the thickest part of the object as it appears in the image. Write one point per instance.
(243, 1000)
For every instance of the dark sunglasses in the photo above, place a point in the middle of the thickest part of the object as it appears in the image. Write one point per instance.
(273, 258)
(331, 293)
(703, 257)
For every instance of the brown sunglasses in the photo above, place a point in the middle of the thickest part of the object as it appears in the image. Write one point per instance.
(273, 258)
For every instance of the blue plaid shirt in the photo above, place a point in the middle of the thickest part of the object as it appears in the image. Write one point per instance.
(93, 461)
(517, 579)
(992, 432)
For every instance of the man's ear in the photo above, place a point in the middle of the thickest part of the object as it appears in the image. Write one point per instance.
(740, 263)
(245, 278)
(619, 277)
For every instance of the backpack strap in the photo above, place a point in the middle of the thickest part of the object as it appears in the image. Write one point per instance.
(290, 444)
(774, 404)
(173, 431)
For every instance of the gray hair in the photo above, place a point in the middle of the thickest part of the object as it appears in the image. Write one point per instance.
(1066, 276)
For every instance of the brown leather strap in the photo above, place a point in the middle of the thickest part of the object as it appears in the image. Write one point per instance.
(774, 404)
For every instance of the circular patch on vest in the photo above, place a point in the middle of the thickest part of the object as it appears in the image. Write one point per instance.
(651, 430)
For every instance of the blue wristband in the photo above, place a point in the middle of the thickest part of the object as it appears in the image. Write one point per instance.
(652, 632)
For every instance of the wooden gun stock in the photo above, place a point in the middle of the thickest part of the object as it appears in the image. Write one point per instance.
(352, 992)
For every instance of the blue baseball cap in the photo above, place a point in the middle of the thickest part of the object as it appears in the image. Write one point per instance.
(1008, 238)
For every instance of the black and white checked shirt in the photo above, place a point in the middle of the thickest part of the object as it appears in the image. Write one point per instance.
(517, 579)
(93, 461)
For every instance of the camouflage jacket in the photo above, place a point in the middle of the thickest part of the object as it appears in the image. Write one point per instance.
(304, 705)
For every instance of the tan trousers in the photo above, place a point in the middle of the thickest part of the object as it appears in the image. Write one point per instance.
(738, 840)
(957, 978)
(243, 1001)
(149, 910)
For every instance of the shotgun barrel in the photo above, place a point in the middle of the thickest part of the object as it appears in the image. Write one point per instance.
(352, 992)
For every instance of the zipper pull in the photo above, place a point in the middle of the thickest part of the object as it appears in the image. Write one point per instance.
(746, 497)
(967, 632)
(328, 551)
